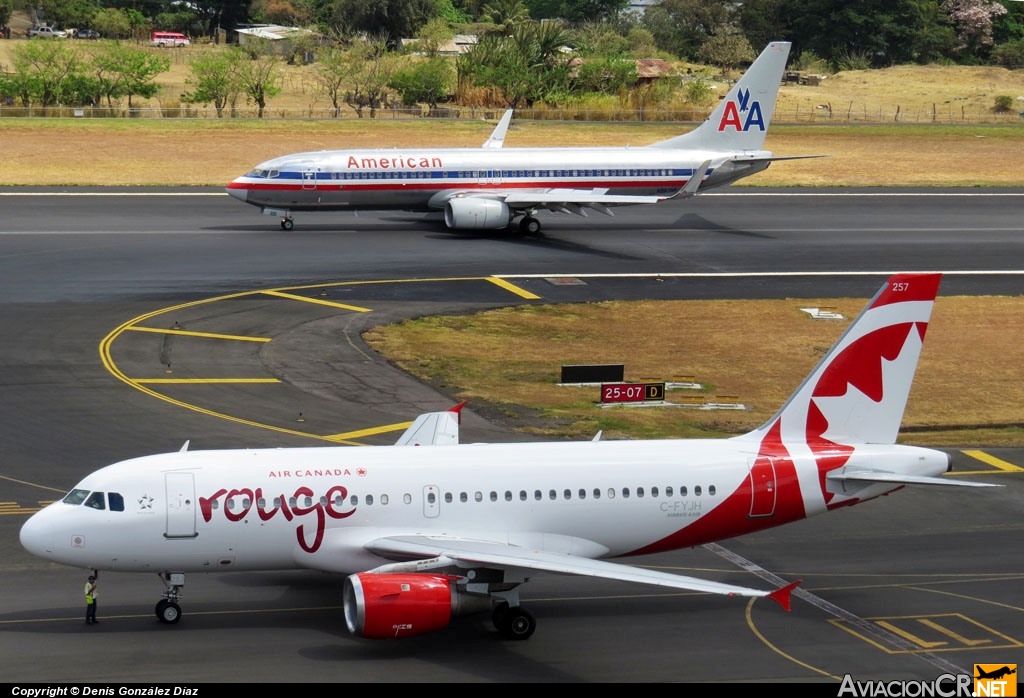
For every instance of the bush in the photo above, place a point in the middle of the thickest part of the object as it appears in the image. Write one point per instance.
(1004, 103)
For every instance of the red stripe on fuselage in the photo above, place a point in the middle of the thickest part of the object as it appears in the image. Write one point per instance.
(442, 185)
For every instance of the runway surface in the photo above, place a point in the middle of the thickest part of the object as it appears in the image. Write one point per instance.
(915, 585)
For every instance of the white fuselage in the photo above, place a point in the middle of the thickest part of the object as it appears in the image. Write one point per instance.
(423, 179)
(318, 507)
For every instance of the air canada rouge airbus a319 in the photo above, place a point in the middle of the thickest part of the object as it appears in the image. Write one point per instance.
(489, 187)
(429, 529)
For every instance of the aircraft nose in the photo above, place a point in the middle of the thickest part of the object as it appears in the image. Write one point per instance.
(238, 190)
(35, 537)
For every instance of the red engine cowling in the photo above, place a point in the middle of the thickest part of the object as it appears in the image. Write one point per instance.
(476, 213)
(381, 606)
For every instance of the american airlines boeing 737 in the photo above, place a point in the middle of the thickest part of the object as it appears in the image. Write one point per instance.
(429, 529)
(487, 188)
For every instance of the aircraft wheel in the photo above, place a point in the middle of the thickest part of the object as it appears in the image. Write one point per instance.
(529, 226)
(287, 224)
(517, 624)
(168, 611)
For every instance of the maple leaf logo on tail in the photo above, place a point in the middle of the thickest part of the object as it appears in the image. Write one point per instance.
(858, 391)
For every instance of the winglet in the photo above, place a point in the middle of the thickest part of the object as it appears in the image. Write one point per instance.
(497, 138)
(457, 409)
(781, 595)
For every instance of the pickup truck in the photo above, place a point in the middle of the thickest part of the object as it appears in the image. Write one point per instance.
(47, 33)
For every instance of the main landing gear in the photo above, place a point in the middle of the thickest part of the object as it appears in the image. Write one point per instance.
(513, 622)
(167, 609)
(529, 226)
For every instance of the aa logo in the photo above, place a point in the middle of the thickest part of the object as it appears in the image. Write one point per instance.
(995, 679)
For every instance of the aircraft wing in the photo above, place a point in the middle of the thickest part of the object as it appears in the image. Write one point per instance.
(476, 553)
(433, 428)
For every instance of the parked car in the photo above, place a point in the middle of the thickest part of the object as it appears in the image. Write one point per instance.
(87, 34)
(47, 33)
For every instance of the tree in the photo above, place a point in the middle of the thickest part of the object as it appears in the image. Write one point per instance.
(6, 10)
(433, 36)
(257, 71)
(130, 69)
(886, 32)
(41, 68)
(214, 79)
(973, 20)
(332, 73)
(525, 66)
(726, 49)
(427, 81)
(394, 19)
(370, 69)
(575, 11)
(112, 23)
(682, 26)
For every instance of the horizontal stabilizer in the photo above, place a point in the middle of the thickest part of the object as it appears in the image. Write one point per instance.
(870, 476)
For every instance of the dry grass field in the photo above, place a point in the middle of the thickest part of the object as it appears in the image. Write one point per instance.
(967, 392)
(917, 152)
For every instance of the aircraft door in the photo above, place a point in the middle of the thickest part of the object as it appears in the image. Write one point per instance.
(181, 505)
(431, 501)
(762, 487)
(309, 179)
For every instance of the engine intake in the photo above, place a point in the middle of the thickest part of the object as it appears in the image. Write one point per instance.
(383, 606)
(475, 213)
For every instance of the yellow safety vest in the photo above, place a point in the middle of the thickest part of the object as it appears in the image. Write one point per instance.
(90, 593)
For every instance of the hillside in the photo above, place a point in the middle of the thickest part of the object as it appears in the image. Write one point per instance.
(915, 94)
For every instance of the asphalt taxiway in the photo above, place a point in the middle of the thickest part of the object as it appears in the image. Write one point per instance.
(917, 584)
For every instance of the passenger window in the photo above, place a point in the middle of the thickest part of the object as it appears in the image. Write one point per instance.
(383, 500)
(639, 491)
(354, 500)
(463, 497)
(625, 493)
(696, 490)
(567, 494)
(95, 501)
(479, 496)
(369, 499)
(711, 490)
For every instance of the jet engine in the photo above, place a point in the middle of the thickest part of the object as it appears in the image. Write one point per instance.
(476, 213)
(381, 606)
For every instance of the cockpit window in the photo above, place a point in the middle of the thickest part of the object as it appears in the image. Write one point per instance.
(75, 497)
(95, 501)
(263, 174)
(116, 501)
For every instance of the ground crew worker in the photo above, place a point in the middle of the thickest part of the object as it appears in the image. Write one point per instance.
(90, 598)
